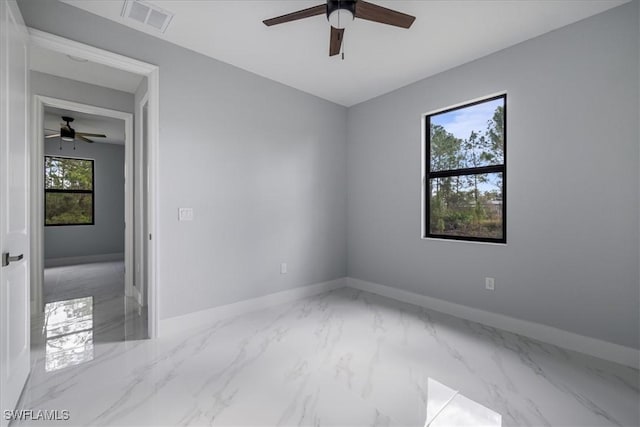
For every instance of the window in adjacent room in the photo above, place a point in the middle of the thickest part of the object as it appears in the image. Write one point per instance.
(68, 191)
(465, 165)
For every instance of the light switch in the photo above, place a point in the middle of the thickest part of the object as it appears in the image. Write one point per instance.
(185, 214)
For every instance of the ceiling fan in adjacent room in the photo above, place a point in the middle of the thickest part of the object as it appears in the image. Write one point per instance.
(341, 12)
(67, 133)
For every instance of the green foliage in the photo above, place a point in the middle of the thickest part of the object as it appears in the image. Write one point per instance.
(68, 191)
(68, 174)
(445, 149)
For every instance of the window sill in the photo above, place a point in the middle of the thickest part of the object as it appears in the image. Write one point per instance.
(475, 242)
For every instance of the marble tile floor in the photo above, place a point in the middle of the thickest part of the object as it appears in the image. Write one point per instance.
(343, 358)
(84, 305)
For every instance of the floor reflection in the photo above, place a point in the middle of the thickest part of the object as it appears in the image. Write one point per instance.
(69, 333)
(447, 407)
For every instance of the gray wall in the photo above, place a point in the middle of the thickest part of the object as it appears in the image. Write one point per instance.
(571, 260)
(73, 90)
(106, 236)
(263, 166)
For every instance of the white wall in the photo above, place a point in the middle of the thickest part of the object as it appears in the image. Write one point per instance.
(571, 260)
(262, 165)
(106, 236)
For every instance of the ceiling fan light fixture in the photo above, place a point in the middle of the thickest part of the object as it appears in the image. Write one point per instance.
(340, 18)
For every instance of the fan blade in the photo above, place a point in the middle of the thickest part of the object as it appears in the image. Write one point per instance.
(97, 135)
(294, 16)
(82, 138)
(55, 135)
(336, 41)
(372, 12)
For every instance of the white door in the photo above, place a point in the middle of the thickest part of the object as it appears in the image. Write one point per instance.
(14, 207)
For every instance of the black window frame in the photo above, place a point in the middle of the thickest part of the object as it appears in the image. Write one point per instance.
(52, 190)
(429, 175)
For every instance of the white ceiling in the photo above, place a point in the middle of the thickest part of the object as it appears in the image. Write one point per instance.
(379, 58)
(61, 65)
(83, 122)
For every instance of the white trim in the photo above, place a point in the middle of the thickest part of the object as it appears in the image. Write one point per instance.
(591, 346)
(185, 323)
(153, 281)
(137, 296)
(140, 178)
(86, 259)
(475, 242)
(49, 41)
(152, 72)
(129, 213)
(594, 347)
(37, 214)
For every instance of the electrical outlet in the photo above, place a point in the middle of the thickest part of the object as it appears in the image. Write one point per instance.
(490, 283)
(283, 268)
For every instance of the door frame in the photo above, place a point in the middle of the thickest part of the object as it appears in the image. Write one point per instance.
(152, 73)
(140, 157)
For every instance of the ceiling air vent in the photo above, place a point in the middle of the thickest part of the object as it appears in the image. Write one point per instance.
(147, 14)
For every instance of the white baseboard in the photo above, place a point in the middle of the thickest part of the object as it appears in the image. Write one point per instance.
(594, 347)
(86, 259)
(138, 296)
(179, 324)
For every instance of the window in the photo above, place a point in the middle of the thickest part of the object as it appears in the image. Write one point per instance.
(465, 197)
(68, 191)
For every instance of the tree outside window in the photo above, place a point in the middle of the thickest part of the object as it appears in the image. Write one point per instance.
(68, 191)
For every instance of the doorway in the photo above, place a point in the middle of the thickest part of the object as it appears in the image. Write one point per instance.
(146, 220)
(86, 202)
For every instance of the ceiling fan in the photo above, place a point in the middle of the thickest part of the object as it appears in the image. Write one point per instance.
(341, 12)
(67, 133)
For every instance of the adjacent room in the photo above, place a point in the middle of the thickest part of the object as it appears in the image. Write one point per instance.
(84, 236)
(327, 213)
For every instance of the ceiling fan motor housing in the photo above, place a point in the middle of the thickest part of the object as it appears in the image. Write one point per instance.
(339, 6)
(67, 133)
